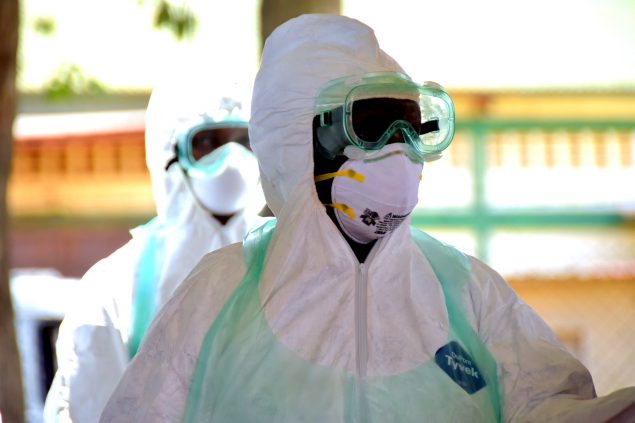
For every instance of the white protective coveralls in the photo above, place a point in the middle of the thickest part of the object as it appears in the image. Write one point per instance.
(383, 318)
(93, 346)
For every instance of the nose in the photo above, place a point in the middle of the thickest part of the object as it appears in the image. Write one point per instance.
(397, 137)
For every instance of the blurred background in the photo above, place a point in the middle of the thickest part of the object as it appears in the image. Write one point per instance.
(539, 181)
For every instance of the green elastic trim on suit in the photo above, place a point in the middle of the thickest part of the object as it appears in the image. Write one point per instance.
(144, 304)
(448, 263)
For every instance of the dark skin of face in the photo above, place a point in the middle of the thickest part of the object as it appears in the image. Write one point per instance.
(323, 165)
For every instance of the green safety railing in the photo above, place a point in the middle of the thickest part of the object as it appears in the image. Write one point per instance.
(481, 220)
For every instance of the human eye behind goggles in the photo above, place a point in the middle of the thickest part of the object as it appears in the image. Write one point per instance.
(372, 118)
(196, 144)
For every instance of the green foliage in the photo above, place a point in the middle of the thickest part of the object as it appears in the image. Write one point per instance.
(44, 25)
(178, 19)
(69, 81)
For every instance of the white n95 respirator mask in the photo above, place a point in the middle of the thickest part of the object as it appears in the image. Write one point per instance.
(223, 180)
(373, 193)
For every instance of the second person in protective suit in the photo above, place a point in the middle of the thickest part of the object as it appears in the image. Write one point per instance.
(206, 187)
(337, 310)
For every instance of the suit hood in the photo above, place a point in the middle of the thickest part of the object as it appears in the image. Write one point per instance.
(298, 58)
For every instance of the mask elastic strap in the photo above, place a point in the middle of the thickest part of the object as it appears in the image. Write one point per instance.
(429, 126)
(174, 159)
(171, 162)
(343, 208)
(348, 173)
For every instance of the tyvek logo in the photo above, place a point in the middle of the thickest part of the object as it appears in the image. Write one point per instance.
(459, 365)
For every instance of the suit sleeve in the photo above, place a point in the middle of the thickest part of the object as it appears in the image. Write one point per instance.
(540, 379)
(91, 347)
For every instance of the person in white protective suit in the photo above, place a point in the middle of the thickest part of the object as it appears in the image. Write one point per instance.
(337, 310)
(206, 187)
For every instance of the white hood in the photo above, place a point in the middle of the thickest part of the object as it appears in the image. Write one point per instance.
(295, 64)
(175, 103)
(186, 231)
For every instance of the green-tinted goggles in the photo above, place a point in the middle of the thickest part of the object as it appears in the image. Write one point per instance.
(201, 140)
(384, 108)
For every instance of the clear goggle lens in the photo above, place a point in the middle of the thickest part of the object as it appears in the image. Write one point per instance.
(418, 115)
(202, 140)
(371, 110)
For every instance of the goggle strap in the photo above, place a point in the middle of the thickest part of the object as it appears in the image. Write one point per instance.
(429, 126)
(171, 162)
(330, 133)
(326, 118)
(174, 159)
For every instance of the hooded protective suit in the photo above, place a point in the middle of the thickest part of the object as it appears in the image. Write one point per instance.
(291, 327)
(126, 289)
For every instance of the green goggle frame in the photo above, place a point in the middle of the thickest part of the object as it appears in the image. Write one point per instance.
(370, 110)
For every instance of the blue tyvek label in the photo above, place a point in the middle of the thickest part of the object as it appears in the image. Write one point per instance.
(459, 365)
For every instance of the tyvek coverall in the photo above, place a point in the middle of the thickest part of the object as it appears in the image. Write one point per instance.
(315, 310)
(124, 290)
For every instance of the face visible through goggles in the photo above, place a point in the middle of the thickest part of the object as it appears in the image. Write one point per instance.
(372, 110)
(200, 141)
(208, 140)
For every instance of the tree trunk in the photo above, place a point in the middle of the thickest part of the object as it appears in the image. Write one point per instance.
(276, 12)
(11, 397)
